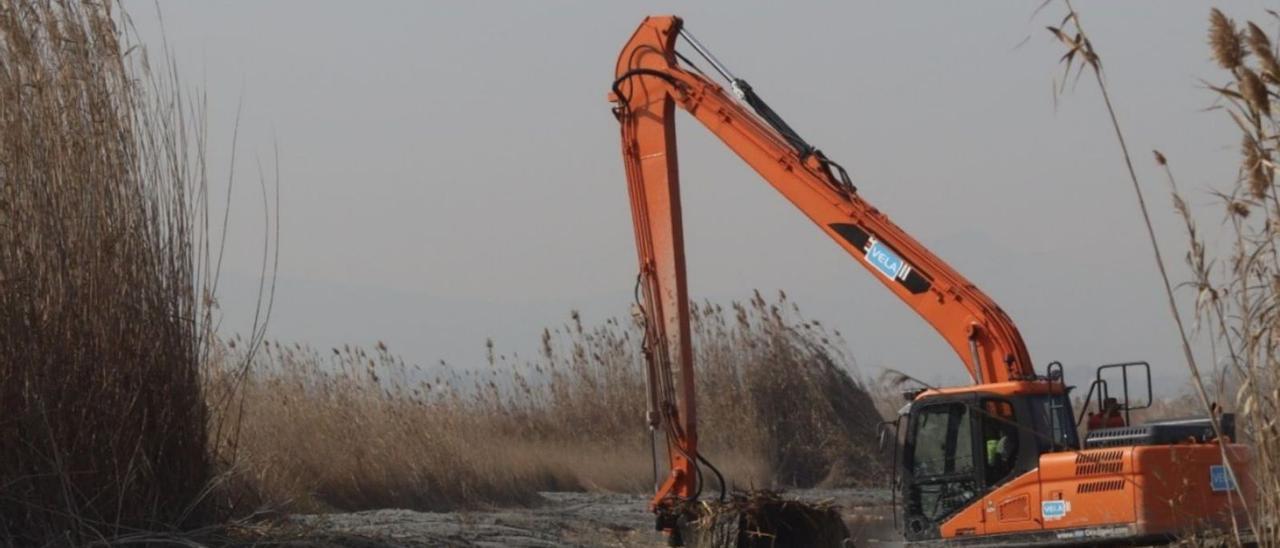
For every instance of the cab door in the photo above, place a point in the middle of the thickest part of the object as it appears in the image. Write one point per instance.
(1010, 467)
(941, 472)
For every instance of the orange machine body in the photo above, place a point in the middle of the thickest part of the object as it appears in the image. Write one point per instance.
(1109, 494)
(1070, 496)
(1044, 488)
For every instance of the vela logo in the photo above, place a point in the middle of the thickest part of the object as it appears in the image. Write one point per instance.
(886, 261)
(882, 258)
(1054, 509)
(1220, 479)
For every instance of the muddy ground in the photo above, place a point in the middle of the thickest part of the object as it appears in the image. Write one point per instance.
(563, 519)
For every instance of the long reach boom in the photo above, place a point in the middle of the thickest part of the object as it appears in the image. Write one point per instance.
(650, 83)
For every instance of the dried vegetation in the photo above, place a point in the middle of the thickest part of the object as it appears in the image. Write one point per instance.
(101, 324)
(118, 412)
(352, 429)
(763, 519)
(1236, 276)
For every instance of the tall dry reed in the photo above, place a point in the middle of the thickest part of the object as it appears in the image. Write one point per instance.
(1236, 283)
(101, 317)
(354, 429)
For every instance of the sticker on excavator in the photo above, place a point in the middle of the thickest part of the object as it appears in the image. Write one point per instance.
(1220, 478)
(1054, 509)
(885, 260)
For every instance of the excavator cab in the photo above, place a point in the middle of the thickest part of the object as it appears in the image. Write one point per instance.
(960, 444)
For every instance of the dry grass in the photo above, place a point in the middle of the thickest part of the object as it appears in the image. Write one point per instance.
(351, 429)
(1237, 284)
(101, 328)
(323, 432)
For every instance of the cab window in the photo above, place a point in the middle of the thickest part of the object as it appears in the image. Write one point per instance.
(942, 461)
(1052, 415)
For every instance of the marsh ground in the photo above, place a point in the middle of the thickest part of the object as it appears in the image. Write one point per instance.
(561, 519)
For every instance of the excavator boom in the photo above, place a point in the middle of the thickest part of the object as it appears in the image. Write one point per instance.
(650, 83)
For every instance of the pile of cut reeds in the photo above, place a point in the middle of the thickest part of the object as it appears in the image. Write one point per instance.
(762, 519)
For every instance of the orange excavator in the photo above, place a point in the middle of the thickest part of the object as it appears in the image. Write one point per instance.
(996, 462)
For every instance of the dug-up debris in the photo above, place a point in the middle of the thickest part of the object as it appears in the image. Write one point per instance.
(762, 519)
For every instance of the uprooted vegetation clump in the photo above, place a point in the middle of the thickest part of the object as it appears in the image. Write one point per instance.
(761, 519)
(352, 429)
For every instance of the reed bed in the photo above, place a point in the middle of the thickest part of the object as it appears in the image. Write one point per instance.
(352, 428)
(1235, 276)
(1237, 284)
(101, 312)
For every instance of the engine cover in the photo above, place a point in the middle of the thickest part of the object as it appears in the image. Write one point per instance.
(1166, 432)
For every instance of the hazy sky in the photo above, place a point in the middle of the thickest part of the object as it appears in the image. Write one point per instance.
(449, 171)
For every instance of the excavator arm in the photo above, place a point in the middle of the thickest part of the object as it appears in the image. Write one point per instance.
(651, 82)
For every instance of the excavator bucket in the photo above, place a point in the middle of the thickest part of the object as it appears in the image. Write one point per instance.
(762, 519)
